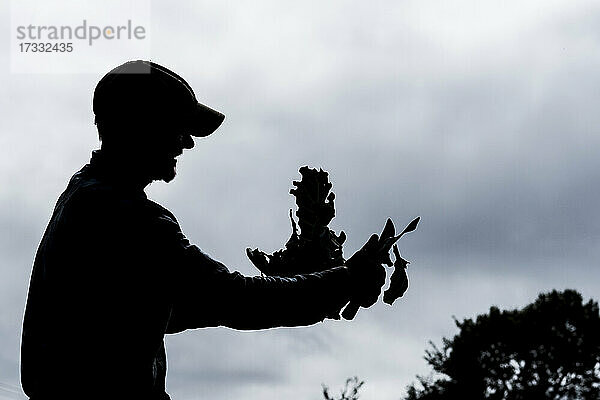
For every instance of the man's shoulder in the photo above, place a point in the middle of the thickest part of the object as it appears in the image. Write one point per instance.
(90, 189)
(160, 210)
(87, 193)
(84, 188)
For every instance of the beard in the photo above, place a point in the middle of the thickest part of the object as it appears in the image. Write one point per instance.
(165, 170)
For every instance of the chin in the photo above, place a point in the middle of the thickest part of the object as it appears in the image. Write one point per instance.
(168, 179)
(169, 176)
(166, 173)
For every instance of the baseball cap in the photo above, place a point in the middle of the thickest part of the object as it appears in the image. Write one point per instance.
(143, 89)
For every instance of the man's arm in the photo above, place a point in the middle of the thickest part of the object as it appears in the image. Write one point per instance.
(213, 296)
(206, 293)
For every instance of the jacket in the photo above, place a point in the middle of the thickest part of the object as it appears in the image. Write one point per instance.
(114, 273)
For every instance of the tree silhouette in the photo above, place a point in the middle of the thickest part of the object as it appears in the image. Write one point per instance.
(548, 350)
(350, 391)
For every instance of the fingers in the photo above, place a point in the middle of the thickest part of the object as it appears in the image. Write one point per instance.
(372, 242)
(350, 310)
(368, 264)
(382, 275)
(370, 295)
(371, 246)
(352, 307)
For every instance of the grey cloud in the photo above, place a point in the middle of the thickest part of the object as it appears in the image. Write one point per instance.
(491, 139)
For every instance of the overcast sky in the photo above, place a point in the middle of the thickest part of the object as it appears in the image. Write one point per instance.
(480, 116)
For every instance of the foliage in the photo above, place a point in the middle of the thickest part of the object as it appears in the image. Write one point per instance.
(548, 350)
(350, 391)
(316, 248)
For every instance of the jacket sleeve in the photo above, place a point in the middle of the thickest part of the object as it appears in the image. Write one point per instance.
(206, 293)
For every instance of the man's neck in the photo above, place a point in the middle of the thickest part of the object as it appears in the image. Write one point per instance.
(124, 167)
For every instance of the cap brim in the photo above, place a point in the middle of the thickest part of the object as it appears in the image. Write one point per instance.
(204, 120)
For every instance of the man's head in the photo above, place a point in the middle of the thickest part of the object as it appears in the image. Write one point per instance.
(148, 113)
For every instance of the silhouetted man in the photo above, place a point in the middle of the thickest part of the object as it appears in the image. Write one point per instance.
(114, 273)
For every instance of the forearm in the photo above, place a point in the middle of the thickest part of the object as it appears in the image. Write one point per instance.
(213, 296)
(266, 302)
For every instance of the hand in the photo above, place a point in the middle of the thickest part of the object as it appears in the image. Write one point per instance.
(367, 272)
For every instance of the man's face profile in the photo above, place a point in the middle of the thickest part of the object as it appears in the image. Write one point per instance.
(164, 141)
(146, 116)
(146, 146)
